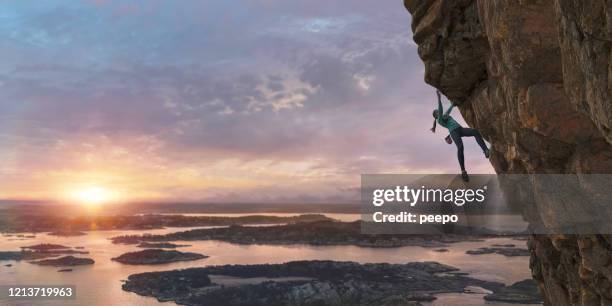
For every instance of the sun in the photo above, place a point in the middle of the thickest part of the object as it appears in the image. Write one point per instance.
(93, 195)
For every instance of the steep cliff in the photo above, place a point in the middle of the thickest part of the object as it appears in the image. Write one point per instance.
(535, 77)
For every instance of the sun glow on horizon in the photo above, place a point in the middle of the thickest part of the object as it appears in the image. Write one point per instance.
(94, 195)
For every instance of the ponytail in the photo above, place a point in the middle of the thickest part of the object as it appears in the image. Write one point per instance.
(433, 129)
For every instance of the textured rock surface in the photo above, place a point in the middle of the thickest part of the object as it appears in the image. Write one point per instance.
(534, 77)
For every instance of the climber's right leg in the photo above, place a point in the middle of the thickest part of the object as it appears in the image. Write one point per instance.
(479, 140)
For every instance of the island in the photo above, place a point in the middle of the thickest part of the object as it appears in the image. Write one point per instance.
(70, 226)
(39, 251)
(12, 255)
(156, 256)
(305, 283)
(65, 261)
(506, 251)
(52, 249)
(523, 292)
(312, 233)
(67, 233)
(160, 245)
(441, 250)
(45, 247)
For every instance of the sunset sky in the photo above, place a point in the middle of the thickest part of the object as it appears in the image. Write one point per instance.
(261, 100)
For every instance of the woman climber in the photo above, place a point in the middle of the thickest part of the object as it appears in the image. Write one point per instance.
(456, 133)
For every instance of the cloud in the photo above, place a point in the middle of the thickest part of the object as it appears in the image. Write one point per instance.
(173, 99)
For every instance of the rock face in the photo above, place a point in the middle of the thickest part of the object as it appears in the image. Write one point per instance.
(534, 76)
